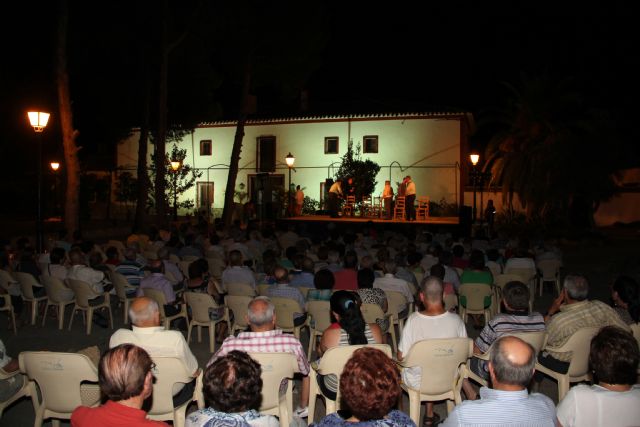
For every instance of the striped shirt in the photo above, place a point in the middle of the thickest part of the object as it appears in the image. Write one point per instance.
(131, 270)
(583, 314)
(505, 323)
(273, 341)
(331, 381)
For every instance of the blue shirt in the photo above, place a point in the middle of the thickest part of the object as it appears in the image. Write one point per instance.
(504, 409)
(303, 280)
(394, 419)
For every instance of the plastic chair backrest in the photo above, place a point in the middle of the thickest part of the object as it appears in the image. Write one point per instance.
(502, 279)
(244, 289)
(239, 305)
(168, 372)
(27, 282)
(396, 301)
(275, 368)
(285, 308)
(82, 291)
(635, 329)
(320, 312)
(475, 296)
(58, 376)
(53, 287)
(537, 339)
(6, 280)
(184, 267)
(439, 360)
(120, 284)
(159, 297)
(580, 346)
(525, 274)
(334, 359)
(200, 304)
(371, 312)
(549, 269)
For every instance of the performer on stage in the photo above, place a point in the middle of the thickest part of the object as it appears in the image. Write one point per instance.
(335, 193)
(387, 197)
(410, 198)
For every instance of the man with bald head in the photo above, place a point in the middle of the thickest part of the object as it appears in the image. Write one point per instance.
(147, 332)
(431, 323)
(507, 403)
(265, 338)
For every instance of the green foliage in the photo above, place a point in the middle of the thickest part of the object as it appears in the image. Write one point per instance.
(310, 206)
(443, 208)
(176, 183)
(126, 188)
(363, 172)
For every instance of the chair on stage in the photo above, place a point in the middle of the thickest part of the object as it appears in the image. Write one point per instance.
(399, 208)
(422, 212)
(348, 209)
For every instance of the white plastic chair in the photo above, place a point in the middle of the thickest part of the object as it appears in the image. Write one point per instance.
(549, 272)
(121, 286)
(473, 300)
(159, 297)
(27, 283)
(8, 307)
(395, 300)
(372, 312)
(200, 304)
(55, 289)
(320, 319)
(239, 306)
(332, 362)
(285, 309)
(277, 367)
(24, 390)
(443, 365)
(169, 372)
(83, 301)
(59, 378)
(579, 346)
(240, 289)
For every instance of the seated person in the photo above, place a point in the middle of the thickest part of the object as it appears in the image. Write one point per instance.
(370, 295)
(323, 281)
(232, 389)
(370, 389)
(126, 380)
(14, 380)
(625, 294)
(615, 399)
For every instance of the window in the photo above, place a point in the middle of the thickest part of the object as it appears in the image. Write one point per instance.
(370, 144)
(331, 145)
(266, 154)
(205, 147)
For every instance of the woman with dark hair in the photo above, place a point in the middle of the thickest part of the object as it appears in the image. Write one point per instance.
(626, 299)
(323, 281)
(614, 400)
(232, 389)
(370, 295)
(477, 271)
(370, 389)
(348, 328)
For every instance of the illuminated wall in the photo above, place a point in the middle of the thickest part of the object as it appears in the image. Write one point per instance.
(426, 146)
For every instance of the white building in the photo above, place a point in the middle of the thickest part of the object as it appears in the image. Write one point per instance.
(428, 146)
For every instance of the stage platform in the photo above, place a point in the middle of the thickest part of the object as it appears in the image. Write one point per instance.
(438, 220)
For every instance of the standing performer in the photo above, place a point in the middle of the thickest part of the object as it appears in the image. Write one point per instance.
(387, 197)
(335, 193)
(410, 198)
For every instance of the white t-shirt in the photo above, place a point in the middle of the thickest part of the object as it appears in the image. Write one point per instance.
(596, 406)
(420, 327)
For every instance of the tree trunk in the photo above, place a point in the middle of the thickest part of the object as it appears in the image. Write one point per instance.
(143, 177)
(69, 134)
(227, 214)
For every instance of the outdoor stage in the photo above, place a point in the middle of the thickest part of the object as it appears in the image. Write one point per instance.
(440, 220)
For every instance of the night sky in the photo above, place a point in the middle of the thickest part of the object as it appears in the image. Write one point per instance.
(393, 57)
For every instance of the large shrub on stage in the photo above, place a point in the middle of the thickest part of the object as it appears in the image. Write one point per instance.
(363, 172)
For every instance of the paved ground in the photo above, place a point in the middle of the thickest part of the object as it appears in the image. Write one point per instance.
(599, 259)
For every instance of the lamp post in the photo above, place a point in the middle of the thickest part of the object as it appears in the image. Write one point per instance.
(175, 166)
(290, 161)
(39, 121)
(475, 157)
(54, 167)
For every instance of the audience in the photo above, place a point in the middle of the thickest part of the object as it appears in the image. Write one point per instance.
(508, 402)
(346, 278)
(370, 295)
(625, 294)
(237, 272)
(126, 381)
(232, 389)
(282, 289)
(370, 390)
(323, 281)
(615, 399)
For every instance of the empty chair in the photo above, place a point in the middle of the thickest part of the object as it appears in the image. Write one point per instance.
(475, 298)
(399, 208)
(422, 211)
(201, 305)
(86, 301)
(61, 383)
(332, 363)
(578, 345)
(349, 206)
(549, 271)
(320, 319)
(277, 367)
(170, 372)
(285, 311)
(27, 285)
(442, 363)
(372, 313)
(159, 297)
(57, 295)
(396, 301)
(238, 305)
(124, 291)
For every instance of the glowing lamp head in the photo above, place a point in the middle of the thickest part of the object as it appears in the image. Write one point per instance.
(175, 165)
(474, 158)
(290, 160)
(38, 120)
(55, 166)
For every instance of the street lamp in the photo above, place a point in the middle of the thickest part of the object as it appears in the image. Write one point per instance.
(290, 161)
(54, 167)
(175, 166)
(39, 121)
(475, 157)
